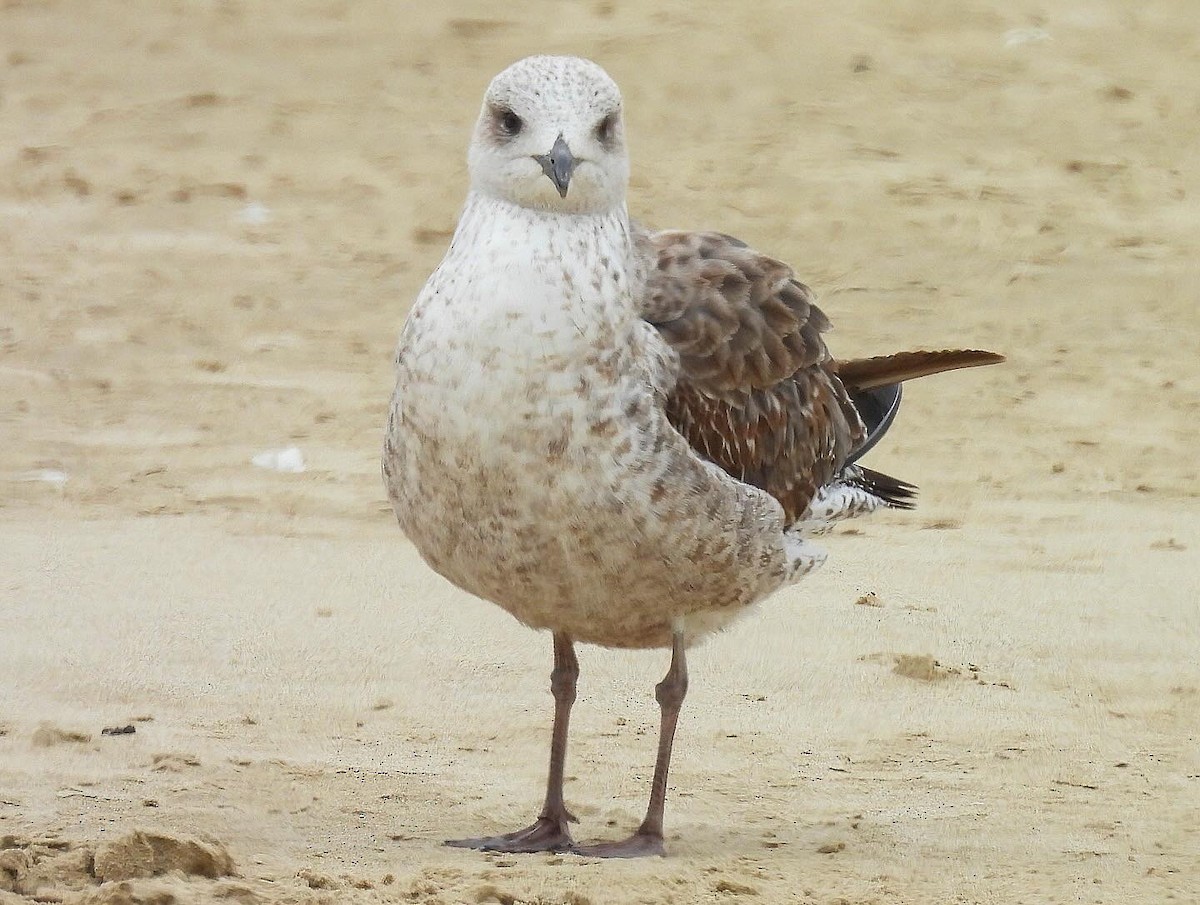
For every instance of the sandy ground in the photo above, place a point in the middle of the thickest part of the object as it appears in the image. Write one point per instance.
(212, 219)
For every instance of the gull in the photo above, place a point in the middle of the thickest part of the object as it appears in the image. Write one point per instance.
(624, 437)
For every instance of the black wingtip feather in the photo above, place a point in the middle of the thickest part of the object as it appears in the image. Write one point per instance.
(894, 492)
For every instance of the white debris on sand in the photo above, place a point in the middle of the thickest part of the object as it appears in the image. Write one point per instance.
(289, 460)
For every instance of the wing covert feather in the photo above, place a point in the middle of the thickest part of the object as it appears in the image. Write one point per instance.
(757, 391)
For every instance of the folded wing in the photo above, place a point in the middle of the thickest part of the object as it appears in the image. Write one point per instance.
(758, 392)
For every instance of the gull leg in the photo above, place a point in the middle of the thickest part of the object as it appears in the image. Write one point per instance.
(549, 832)
(648, 839)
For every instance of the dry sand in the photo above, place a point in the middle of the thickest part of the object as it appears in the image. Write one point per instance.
(212, 219)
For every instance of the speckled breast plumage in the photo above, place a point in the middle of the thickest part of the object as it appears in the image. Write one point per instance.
(529, 458)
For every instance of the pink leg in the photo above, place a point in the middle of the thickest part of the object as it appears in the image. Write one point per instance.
(648, 839)
(549, 832)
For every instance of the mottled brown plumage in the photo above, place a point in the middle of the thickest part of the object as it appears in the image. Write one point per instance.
(758, 392)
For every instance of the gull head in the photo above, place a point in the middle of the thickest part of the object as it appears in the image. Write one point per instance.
(550, 137)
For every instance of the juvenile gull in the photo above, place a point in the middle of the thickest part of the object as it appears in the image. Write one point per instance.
(621, 436)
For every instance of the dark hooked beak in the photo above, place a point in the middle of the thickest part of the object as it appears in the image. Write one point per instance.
(559, 164)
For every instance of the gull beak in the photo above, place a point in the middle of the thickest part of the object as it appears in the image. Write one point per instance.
(559, 164)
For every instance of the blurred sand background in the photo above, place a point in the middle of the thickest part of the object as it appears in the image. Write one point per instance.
(213, 217)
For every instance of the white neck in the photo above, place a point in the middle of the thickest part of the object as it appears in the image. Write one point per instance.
(522, 299)
(484, 209)
(549, 266)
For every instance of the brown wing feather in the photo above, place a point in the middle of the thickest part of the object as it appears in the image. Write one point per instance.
(867, 373)
(757, 392)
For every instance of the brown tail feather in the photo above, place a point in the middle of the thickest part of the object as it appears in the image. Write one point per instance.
(868, 373)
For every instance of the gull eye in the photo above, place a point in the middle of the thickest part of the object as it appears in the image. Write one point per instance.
(606, 130)
(508, 122)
